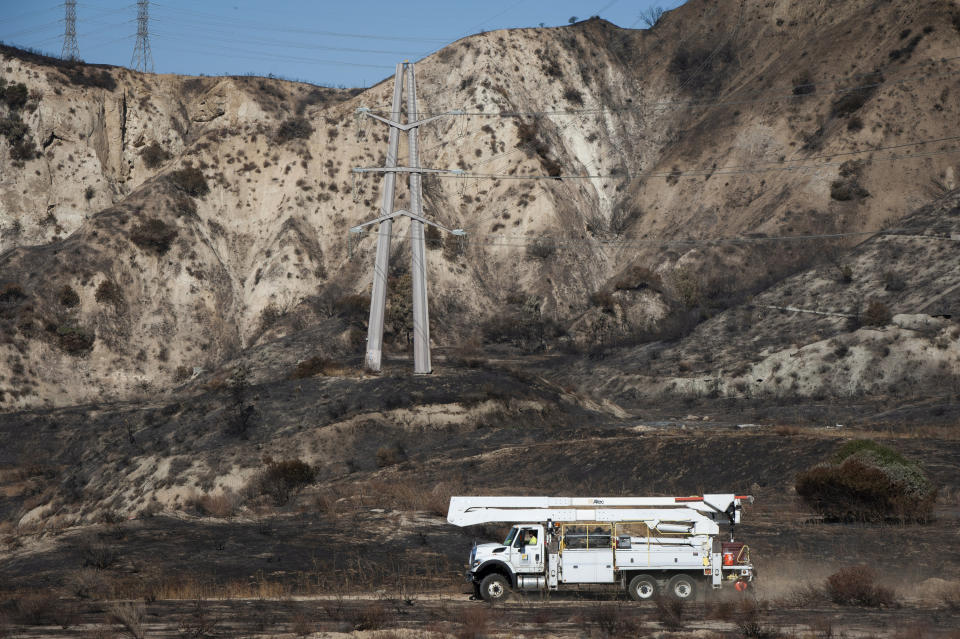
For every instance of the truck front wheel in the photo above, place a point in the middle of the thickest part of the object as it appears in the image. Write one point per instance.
(494, 587)
(682, 587)
(642, 588)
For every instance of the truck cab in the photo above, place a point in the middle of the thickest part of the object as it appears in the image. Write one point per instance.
(512, 564)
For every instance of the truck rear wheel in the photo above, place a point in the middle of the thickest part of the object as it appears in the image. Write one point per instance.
(682, 587)
(642, 588)
(494, 587)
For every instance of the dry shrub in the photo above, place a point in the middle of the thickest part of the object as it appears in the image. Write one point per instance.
(88, 583)
(748, 621)
(854, 586)
(200, 622)
(153, 235)
(670, 611)
(614, 620)
(372, 616)
(318, 365)
(221, 505)
(95, 553)
(876, 314)
(865, 481)
(638, 277)
(293, 129)
(190, 180)
(950, 597)
(390, 455)
(129, 617)
(36, 609)
(302, 624)
(154, 155)
(410, 494)
(282, 479)
(474, 623)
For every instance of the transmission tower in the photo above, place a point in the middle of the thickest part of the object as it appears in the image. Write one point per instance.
(142, 57)
(70, 49)
(378, 296)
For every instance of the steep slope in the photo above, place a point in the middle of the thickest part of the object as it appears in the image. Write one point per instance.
(699, 128)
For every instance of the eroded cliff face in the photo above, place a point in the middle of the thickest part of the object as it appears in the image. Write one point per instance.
(728, 118)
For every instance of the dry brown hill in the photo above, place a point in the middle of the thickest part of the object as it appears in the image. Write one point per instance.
(165, 224)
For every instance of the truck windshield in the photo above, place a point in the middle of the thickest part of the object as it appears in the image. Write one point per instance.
(510, 536)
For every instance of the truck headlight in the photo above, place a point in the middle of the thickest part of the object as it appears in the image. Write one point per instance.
(476, 562)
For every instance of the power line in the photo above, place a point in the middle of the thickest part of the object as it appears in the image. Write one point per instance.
(700, 172)
(694, 104)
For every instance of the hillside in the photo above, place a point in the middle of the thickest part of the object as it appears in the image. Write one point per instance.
(126, 271)
(700, 257)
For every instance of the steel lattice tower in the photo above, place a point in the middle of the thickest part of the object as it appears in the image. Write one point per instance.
(70, 51)
(142, 57)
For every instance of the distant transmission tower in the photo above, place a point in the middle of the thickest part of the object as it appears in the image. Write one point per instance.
(70, 49)
(142, 57)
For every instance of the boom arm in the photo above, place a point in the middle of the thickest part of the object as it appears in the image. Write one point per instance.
(701, 513)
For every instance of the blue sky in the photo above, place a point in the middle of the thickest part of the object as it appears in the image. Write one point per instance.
(333, 43)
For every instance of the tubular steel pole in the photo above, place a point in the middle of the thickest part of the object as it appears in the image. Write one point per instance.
(421, 317)
(378, 295)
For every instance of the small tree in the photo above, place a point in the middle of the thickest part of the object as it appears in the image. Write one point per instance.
(572, 19)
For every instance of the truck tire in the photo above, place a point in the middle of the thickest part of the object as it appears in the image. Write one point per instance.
(642, 588)
(682, 587)
(494, 588)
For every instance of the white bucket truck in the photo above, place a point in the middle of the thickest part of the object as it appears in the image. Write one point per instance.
(644, 545)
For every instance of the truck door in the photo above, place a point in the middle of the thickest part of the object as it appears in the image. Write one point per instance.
(526, 554)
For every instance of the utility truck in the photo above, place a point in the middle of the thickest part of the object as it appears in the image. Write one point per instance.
(644, 545)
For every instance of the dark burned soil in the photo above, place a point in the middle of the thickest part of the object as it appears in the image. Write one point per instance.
(444, 615)
(161, 505)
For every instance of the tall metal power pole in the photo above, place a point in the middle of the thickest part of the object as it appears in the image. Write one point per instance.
(142, 59)
(70, 50)
(378, 295)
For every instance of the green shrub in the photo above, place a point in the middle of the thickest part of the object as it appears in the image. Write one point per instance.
(573, 96)
(293, 129)
(190, 180)
(14, 95)
(75, 340)
(866, 481)
(109, 293)
(153, 235)
(154, 155)
(68, 297)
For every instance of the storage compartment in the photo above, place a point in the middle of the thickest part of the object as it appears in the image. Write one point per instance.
(734, 553)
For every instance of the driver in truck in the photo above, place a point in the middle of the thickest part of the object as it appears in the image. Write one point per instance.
(531, 538)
